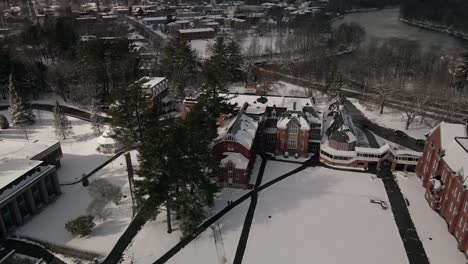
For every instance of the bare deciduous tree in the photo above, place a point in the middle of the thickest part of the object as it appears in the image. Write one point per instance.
(416, 108)
(103, 189)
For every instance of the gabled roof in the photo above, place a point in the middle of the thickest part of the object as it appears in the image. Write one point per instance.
(448, 131)
(456, 156)
(239, 161)
(288, 116)
(242, 128)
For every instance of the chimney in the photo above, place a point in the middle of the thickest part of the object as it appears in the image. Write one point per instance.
(294, 106)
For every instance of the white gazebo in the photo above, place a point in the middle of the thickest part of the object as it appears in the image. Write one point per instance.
(107, 144)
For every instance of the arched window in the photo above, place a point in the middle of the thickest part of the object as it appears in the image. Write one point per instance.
(293, 129)
(273, 113)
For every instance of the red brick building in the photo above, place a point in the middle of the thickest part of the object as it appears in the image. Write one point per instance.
(235, 149)
(293, 134)
(443, 170)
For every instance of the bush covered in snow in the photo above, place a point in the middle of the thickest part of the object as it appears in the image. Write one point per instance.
(103, 190)
(81, 226)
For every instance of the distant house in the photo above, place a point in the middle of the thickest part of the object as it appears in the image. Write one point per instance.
(28, 180)
(155, 20)
(156, 92)
(196, 33)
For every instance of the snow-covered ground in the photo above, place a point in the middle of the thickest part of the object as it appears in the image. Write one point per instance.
(391, 118)
(153, 241)
(274, 169)
(324, 216)
(79, 156)
(439, 244)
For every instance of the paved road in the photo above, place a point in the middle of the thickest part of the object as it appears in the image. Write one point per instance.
(413, 245)
(361, 121)
(32, 250)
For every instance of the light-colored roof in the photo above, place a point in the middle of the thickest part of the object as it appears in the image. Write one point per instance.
(15, 158)
(239, 161)
(12, 169)
(256, 109)
(195, 30)
(456, 156)
(375, 151)
(152, 81)
(287, 117)
(154, 19)
(278, 101)
(242, 127)
(448, 131)
(336, 152)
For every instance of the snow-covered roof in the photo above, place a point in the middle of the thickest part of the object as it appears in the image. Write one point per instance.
(195, 30)
(277, 101)
(256, 109)
(154, 19)
(335, 152)
(456, 156)
(152, 81)
(12, 169)
(288, 116)
(239, 161)
(375, 151)
(448, 131)
(16, 158)
(22, 149)
(135, 36)
(241, 128)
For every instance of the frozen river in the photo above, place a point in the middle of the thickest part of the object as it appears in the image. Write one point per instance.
(385, 24)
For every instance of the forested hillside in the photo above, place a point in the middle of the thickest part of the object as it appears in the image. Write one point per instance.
(450, 13)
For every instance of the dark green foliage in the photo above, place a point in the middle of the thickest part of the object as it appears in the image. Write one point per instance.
(460, 75)
(81, 226)
(224, 66)
(4, 122)
(451, 13)
(179, 65)
(127, 112)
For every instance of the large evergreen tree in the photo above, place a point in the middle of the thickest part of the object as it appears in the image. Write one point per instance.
(235, 62)
(20, 112)
(179, 64)
(63, 126)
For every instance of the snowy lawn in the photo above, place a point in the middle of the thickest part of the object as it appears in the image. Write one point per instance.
(274, 169)
(324, 216)
(440, 245)
(391, 118)
(152, 241)
(79, 156)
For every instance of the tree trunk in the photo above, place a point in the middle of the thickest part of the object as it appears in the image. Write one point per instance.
(382, 104)
(168, 216)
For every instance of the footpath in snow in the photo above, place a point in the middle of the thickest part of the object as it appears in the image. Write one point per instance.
(439, 244)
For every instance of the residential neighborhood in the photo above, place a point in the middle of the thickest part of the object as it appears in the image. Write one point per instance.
(323, 131)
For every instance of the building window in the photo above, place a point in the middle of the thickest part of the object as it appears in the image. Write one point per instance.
(230, 169)
(230, 147)
(293, 129)
(342, 146)
(7, 218)
(36, 194)
(22, 205)
(237, 175)
(49, 186)
(292, 143)
(273, 113)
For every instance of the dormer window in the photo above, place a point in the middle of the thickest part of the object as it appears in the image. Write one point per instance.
(273, 113)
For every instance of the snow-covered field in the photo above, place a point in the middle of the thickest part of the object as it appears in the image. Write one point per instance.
(324, 216)
(391, 118)
(79, 156)
(439, 244)
(153, 241)
(274, 169)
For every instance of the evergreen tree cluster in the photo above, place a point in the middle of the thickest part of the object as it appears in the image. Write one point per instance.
(451, 14)
(225, 65)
